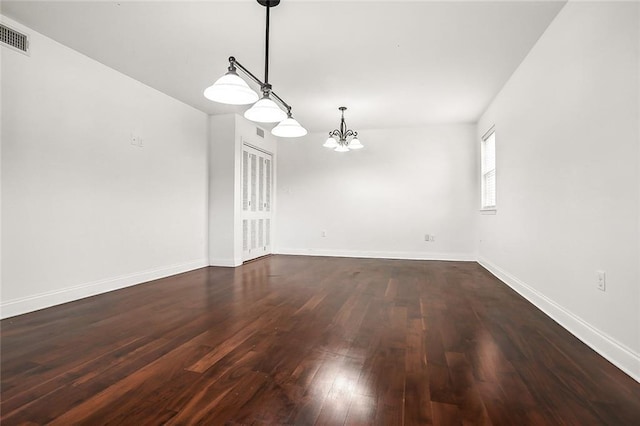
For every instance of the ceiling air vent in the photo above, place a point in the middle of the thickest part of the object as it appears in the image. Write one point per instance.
(14, 39)
(259, 132)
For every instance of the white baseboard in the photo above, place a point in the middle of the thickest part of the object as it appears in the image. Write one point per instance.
(408, 255)
(615, 352)
(226, 262)
(35, 302)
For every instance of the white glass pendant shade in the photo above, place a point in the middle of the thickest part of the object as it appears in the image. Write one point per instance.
(265, 111)
(289, 128)
(330, 143)
(355, 144)
(231, 89)
(341, 148)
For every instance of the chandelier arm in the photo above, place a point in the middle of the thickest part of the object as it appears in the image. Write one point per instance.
(349, 133)
(284, 104)
(234, 62)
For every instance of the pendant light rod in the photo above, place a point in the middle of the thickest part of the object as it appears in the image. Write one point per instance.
(267, 5)
(266, 49)
(233, 63)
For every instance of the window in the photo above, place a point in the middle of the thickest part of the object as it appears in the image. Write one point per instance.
(488, 159)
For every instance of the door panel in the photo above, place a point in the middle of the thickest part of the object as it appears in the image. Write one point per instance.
(257, 192)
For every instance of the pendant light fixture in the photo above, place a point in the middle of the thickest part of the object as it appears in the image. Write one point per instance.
(342, 134)
(232, 89)
(289, 128)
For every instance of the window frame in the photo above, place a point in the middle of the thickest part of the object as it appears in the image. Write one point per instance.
(484, 174)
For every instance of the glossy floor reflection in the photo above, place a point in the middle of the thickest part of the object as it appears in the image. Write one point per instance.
(304, 340)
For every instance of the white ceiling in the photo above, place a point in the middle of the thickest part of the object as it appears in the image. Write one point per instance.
(392, 63)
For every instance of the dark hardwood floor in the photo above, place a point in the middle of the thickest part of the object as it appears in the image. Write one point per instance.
(308, 340)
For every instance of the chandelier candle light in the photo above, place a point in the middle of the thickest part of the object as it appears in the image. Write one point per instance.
(342, 134)
(233, 90)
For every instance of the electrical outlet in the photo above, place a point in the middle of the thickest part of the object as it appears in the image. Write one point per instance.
(323, 234)
(427, 237)
(136, 140)
(432, 238)
(601, 283)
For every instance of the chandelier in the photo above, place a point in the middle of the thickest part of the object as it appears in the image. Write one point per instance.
(338, 138)
(233, 90)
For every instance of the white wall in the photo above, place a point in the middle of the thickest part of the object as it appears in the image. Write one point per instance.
(567, 138)
(222, 197)
(83, 210)
(380, 201)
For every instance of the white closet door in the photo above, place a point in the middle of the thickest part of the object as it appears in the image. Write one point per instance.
(257, 169)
